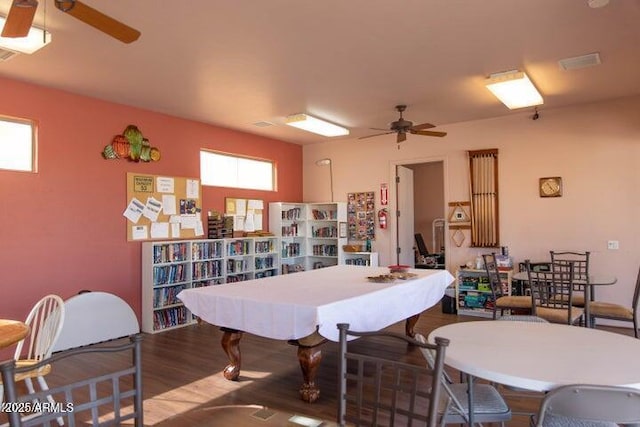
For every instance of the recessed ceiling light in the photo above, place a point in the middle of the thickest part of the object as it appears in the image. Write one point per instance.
(315, 125)
(597, 3)
(514, 89)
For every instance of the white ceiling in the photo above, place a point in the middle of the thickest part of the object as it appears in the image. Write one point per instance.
(236, 62)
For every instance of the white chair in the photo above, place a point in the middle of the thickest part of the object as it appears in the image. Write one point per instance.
(488, 404)
(582, 405)
(45, 322)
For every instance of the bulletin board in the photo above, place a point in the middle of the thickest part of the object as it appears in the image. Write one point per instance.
(163, 207)
(361, 216)
(246, 213)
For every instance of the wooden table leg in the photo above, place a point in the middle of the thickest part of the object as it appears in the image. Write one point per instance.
(231, 345)
(309, 358)
(410, 323)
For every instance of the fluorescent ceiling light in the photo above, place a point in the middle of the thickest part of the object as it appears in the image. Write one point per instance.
(312, 124)
(36, 39)
(514, 89)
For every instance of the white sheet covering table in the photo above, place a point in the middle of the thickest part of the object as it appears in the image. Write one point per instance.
(307, 306)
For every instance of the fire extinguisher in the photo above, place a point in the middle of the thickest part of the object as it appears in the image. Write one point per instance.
(382, 218)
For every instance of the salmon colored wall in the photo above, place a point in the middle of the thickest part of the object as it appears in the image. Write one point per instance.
(594, 147)
(62, 229)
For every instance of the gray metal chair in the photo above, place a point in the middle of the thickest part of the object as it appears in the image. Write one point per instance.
(612, 311)
(110, 398)
(378, 389)
(501, 299)
(488, 404)
(580, 262)
(552, 295)
(583, 405)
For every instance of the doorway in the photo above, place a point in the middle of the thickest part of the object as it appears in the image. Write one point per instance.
(421, 209)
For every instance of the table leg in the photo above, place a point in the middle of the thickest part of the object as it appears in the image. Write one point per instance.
(470, 397)
(231, 345)
(309, 358)
(410, 323)
(587, 310)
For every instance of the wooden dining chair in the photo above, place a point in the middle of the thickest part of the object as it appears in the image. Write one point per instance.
(375, 388)
(612, 311)
(45, 322)
(501, 299)
(552, 295)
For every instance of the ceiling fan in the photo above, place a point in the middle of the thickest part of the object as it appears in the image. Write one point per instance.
(22, 12)
(402, 127)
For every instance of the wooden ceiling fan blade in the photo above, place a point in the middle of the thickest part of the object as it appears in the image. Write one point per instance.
(377, 134)
(429, 133)
(99, 20)
(422, 126)
(20, 18)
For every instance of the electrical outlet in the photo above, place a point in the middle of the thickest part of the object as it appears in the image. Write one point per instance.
(613, 244)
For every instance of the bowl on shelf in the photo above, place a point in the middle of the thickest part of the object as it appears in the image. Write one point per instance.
(352, 248)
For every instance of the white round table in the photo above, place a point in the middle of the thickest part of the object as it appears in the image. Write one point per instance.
(541, 356)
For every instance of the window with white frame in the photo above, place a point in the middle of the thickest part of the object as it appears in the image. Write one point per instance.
(227, 170)
(17, 144)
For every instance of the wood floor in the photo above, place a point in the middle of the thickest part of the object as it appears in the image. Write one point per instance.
(184, 386)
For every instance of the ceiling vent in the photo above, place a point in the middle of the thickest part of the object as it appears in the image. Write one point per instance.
(578, 62)
(6, 55)
(263, 124)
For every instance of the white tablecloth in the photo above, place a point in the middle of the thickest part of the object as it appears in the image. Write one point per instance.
(293, 306)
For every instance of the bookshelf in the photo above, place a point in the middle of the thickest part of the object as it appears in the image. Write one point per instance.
(169, 267)
(361, 258)
(309, 234)
(473, 291)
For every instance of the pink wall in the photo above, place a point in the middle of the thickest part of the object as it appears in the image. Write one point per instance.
(62, 229)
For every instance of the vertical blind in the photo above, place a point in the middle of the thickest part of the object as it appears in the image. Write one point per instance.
(483, 177)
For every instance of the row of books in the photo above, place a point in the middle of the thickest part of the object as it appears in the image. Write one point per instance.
(238, 278)
(175, 273)
(290, 230)
(262, 263)
(292, 268)
(266, 273)
(163, 297)
(321, 214)
(292, 214)
(205, 269)
(170, 252)
(206, 250)
(324, 232)
(169, 317)
(209, 282)
(357, 261)
(325, 250)
(291, 249)
(264, 247)
(237, 265)
(239, 247)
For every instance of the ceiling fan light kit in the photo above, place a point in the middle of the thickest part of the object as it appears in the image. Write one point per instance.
(315, 125)
(35, 39)
(514, 89)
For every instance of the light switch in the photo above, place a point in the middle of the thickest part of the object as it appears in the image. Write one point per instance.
(613, 244)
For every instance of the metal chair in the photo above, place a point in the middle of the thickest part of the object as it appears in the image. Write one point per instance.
(582, 405)
(488, 404)
(45, 322)
(378, 389)
(501, 299)
(110, 398)
(580, 261)
(612, 311)
(552, 295)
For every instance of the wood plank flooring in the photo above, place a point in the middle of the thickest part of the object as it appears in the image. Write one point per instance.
(184, 386)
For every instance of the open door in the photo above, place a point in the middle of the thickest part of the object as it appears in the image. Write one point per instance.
(404, 219)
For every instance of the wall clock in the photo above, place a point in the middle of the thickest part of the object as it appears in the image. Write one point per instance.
(550, 186)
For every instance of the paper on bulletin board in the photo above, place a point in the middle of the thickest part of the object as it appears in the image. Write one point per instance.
(162, 207)
(247, 213)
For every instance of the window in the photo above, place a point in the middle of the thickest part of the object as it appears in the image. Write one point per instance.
(224, 170)
(17, 144)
